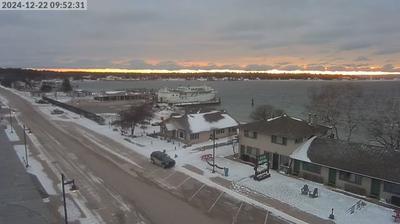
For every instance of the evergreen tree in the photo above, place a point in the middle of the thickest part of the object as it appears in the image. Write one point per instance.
(66, 86)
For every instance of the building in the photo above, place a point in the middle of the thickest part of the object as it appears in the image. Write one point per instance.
(123, 95)
(198, 127)
(354, 167)
(277, 138)
(55, 84)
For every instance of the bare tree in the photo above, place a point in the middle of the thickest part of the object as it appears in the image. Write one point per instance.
(384, 128)
(350, 103)
(264, 112)
(134, 115)
(324, 104)
(337, 106)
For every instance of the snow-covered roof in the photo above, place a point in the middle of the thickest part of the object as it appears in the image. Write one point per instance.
(286, 126)
(200, 122)
(301, 153)
(114, 92)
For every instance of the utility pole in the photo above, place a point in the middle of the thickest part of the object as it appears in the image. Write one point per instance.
(213, 170)
(11, 126)
(26, 149)
(65, 203)
(73, 189)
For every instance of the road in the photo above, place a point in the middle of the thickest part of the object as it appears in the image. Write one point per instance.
(130, 190)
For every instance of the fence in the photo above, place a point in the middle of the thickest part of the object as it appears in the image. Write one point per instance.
(92, 116)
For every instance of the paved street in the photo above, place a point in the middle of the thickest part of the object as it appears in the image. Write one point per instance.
(129, 189)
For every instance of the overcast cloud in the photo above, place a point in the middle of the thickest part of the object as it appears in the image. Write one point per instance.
(173, 34)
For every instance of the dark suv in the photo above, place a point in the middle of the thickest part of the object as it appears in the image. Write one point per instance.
(162, 159)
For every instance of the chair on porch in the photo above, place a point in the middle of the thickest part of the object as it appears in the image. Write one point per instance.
(305, 190)
(314, 194)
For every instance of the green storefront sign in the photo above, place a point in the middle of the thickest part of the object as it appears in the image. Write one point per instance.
(262, 159)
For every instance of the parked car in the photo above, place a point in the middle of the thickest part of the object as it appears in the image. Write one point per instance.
(57, 111)
(162, 159)
(40, 101)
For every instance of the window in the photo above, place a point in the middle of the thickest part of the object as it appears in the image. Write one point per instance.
(254, 134)
(220, 131)
(298, 140)
(257, 151)
(278, 140)
(252, 152)
(194, 136)
(313, 168)
(232, 130)
(391, 188)
(181, 134)
(350, 177)
(249, 150)
(246, 133)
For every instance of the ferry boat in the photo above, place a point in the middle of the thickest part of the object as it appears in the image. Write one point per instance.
(186, 94)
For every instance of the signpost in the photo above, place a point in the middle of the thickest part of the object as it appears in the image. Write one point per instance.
(264, 173)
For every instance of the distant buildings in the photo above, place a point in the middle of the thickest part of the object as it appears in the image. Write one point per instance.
(199, 127)
(55, 84)
(123, 95)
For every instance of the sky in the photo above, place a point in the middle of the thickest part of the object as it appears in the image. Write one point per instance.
(333, 35)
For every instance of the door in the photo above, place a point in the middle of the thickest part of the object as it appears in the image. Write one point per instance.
(296, 167)
(375, 188)
(275, 161)
(242, 150)
(332, 177)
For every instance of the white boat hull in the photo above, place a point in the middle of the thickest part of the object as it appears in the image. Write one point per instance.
(168, 96)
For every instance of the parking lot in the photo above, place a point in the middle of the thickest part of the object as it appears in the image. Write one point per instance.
(212, 201)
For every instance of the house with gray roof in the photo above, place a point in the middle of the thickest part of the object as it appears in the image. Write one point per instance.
(192, 128)
(358, 168)
(277, 138)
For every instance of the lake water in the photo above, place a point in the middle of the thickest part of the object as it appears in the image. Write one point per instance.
(289, 95)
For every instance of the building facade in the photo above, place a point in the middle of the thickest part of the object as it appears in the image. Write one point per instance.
(198, 127)
(354, 167)
(277, 138)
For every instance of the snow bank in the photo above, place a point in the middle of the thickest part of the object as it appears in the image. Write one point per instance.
(11, 134)
(77, 212)
(35, 168)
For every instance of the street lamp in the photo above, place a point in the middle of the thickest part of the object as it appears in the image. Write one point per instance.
(26, 150)
(213, 137)
(73, 188)
(11, 126)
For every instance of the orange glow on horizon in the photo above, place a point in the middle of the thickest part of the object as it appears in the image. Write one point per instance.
(164, 71)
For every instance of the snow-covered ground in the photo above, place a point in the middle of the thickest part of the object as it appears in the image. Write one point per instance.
(11, 135)
(77, 210)
(35, 168)
(278, 186)
(77, 207)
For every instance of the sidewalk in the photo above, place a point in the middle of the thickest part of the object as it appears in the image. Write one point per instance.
(20, 201)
